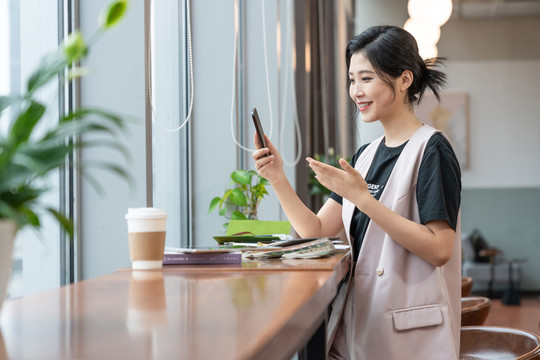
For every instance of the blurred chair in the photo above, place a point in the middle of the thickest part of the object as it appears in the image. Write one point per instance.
(466, 286)
(493, 342)
(474, 310)
(494, 271)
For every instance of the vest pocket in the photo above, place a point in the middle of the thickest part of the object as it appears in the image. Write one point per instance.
(417, 317)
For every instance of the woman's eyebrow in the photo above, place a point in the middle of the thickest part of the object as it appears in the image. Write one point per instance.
(362, 72)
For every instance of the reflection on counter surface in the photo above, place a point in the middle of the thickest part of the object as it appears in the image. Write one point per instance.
(147, 307)
(173, 314)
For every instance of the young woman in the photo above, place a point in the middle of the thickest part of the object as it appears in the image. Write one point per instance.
(398, 202)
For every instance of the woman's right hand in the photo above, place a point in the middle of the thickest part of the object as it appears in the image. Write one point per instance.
(270, 167)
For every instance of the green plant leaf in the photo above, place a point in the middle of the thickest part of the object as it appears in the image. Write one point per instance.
(237, 215)
(93, 181)
(25, 123)
(64, 221)
(238, 198)
(5, 210)
(118, 170)
(18, 195)
(214, 203)
(111, 144)
(30, 217)
(74, 47)
(102, 119)
(76, 128)
(242, 176)
(225, 197)
(222, 212)
(30, 164)
(50, 66)
(22, 215)
(113, 13)
(7, 101)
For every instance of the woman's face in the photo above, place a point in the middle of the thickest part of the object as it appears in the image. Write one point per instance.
(373, 96)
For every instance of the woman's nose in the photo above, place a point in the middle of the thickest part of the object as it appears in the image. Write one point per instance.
(357, 91)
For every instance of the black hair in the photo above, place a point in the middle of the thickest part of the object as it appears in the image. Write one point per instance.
(392, 50)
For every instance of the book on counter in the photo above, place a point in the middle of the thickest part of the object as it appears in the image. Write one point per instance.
(202, 256)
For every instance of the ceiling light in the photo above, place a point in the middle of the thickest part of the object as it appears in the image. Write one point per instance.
(432, 12)
(423, 33)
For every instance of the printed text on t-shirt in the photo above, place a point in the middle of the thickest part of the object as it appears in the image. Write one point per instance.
(375, 188)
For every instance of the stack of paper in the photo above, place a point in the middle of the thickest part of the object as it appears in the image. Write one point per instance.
(308, 250)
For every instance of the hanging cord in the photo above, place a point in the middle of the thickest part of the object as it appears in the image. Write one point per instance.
(148, 59)
(324, 88)
(234, 72)
(290, 75)
(267, 73)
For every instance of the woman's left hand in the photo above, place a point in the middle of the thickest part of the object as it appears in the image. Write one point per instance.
(348, 183)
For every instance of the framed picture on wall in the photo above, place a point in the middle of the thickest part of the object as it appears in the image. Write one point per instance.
(451, 116)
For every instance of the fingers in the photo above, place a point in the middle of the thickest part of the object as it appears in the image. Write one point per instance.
(263, 151)
(345, 165)
(322, 171)
(269, 144)
(258, 144)
(256, 140)
(318, 166)
(257, 154)
(263, 162)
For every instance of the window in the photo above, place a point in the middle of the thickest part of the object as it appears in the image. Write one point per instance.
(185, 188)
(252, 40)
(170, 101)
(27, 31)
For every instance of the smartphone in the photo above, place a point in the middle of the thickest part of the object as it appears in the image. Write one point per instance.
(258, 127)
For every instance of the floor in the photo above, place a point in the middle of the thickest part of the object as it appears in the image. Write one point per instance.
(525, 316)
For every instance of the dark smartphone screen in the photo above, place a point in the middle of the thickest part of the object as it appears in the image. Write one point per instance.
(258, 127)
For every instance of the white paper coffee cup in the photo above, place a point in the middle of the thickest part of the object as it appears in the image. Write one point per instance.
(146, 234)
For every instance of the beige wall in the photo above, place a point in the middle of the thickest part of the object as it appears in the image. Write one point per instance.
(497, 62)
(491, 39)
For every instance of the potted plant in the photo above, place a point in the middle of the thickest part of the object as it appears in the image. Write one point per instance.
(29, 153)
(244, 194)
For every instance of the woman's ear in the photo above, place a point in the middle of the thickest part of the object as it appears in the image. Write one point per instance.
(407, 78)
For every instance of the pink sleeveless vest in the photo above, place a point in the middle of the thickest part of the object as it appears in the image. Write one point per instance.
(399, 306)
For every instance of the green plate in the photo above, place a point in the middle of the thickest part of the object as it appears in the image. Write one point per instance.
(245, 239)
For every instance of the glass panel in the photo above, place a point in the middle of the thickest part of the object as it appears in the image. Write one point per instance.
(27, 32)
(169, 97)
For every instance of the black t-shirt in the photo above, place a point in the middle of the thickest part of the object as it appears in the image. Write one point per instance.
(438, 190)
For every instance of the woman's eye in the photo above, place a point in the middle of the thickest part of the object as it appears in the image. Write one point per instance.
(366, 79)
(351, 81)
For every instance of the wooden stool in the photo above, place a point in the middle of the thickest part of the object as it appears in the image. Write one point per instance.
(494, 342)
(466, 286)
(474, 310)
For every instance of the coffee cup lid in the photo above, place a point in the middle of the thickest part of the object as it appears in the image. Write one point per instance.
(145, 213)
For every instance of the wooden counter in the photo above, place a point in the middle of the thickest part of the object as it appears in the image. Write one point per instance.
(179, 312)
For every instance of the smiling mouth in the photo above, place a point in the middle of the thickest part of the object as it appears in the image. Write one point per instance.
(364, 105)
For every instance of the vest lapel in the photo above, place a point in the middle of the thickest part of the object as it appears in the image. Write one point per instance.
(362, 166)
